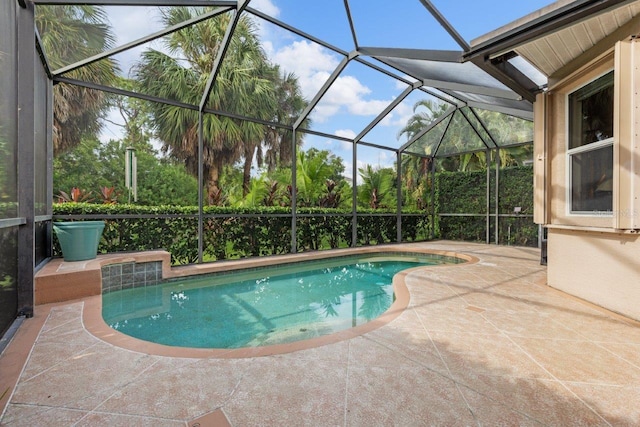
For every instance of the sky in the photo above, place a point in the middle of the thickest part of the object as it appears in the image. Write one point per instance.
(360, 93)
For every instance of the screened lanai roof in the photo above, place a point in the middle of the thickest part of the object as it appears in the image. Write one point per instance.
(479, 88)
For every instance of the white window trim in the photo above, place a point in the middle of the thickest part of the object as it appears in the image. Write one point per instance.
(569, 152)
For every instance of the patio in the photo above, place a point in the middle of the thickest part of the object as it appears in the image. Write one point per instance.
(481, 344)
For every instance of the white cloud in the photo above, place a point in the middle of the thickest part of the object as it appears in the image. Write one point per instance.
(266, 7)
(348, 171)
(399, 116)
(309, 61)
(346, 133)
(313, 65)
(400, 85)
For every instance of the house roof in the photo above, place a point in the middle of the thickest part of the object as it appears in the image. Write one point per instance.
(561, 37)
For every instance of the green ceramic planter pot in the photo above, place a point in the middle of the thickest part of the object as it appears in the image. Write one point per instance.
(79, 240)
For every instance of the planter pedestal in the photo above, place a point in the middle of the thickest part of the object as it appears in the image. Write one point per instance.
(79, 240)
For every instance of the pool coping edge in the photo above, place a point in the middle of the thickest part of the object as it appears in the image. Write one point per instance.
(95, 324)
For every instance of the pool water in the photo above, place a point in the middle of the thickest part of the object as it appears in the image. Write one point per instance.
(261, 307)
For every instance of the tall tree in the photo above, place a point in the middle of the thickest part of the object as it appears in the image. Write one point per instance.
(290, 103)
(415, 169)
(425, 112)
(241, 88)
(69, 34)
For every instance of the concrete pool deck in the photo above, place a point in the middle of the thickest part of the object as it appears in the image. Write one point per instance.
(484, 343)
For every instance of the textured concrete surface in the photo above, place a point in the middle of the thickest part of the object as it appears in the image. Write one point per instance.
(479, 344)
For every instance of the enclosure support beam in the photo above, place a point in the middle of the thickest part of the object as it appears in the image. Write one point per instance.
(497, 190)
(332, 78)
(26, 157)
(294, 193)
(200, 186)
(385, 112)
(49, 187)
(445, 24)
(488, 207)
(423, 132)
(484, 126)
(140, 41)
(354, 197)
(222, 51)
(433, 195)
(351, 26)
(399, 198)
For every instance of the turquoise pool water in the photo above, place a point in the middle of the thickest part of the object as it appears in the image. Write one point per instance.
(262, 306)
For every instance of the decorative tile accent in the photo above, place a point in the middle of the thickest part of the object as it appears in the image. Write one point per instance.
(128, 275)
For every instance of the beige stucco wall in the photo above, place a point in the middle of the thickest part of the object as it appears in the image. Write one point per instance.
(594, 257)
(603, 268)
(557, 148)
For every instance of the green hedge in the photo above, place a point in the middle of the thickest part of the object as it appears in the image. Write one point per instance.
(466, 192)
(231, 233)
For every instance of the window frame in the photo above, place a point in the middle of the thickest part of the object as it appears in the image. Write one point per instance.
(592, 146)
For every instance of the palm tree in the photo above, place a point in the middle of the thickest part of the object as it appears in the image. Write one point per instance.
(290, 103)
(69, 34)
(242, 87)
(415, 168)
(415, 177)
(425, 112)
(376, 190)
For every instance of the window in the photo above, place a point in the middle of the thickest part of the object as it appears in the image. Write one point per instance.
(591, 146)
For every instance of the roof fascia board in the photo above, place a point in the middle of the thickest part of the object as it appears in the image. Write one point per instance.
(567, 15)
(603, 46)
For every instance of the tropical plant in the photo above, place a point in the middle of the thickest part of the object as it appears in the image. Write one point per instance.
(109, 195)
(242, 87)
(377, 189)
(69, 34)
(332, 198)
(314, 168)
(425, 112)
(76, 195)
(161, 181)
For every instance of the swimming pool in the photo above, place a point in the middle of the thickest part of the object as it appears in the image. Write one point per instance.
(263, 307)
